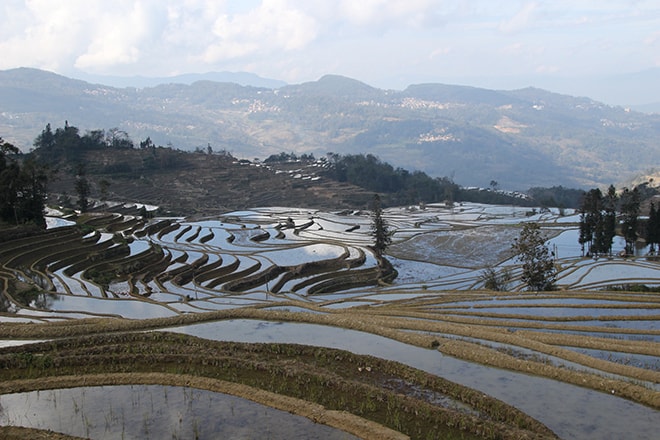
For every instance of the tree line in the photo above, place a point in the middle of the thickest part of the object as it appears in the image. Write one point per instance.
(401, 186)
(67, 141)
(24, 177)
(23, 187)
(603, 216)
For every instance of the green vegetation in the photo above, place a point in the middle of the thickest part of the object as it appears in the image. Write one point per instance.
(401, 186)
(67, 142)
(634, 288)
(379, 228)
(82, 188)
(630, 205)
(556, 196)
(22, 187)
(603, 216)
(598, 221)
(653, 229)
(496, 280)
(289, 157)
(538, 268)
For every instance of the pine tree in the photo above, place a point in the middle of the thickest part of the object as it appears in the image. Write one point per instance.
(34, 180)
(598, 221)
(653, 229)
(609, 218)
(591, 226)
(379, 228)
(630, 203)
(22, 187)
(82, 188)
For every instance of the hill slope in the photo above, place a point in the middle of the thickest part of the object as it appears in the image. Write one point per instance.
(520, 138)
(200, 184)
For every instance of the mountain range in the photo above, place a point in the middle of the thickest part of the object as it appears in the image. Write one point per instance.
(517, 138)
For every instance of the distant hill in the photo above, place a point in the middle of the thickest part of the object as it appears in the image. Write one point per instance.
(240, 78)
(647, 108)
(520, 138)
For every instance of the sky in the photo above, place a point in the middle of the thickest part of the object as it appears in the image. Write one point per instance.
(389, 44)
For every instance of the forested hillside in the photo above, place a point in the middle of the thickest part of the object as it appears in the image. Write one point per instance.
(107, 166)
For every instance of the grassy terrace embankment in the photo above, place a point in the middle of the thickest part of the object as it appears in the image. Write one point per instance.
(447, 337)
(345, 385)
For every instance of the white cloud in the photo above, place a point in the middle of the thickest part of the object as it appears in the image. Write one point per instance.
(300, 40)
(274, 25)
(116, 38)
(41, 34)
(523, 19)
(439, 52)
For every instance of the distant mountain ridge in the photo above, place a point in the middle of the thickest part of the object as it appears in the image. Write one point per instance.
(519, 138)
(240, 78)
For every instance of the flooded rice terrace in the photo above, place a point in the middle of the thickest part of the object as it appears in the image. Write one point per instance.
(290, 260)
(270, 255)
(142, 412)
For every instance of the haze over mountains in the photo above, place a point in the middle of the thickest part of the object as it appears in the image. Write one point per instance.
(520, 138)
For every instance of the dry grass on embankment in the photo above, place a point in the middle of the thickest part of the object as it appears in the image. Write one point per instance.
(396, 324)
(329, 386)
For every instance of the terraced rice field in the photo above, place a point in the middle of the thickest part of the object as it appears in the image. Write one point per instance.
(550, 354)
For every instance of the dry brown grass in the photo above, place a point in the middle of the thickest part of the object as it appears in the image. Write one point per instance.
(20, 433)
(388, 323)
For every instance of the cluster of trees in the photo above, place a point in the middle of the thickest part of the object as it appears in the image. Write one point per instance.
(289, 157)
(603, 215)
(402, 186)
(67, 145)
(653, 229)
(23, 187)
(557, 196)
(67, 141)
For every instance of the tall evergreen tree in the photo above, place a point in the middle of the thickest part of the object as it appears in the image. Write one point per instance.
(379, 228)
(609, 219)
(591, 228)
(9, 179)
(598, 221)
(34, 181)
(46, 140)
(653, 229)
(82, 188)
(22, 188)
(630, 205)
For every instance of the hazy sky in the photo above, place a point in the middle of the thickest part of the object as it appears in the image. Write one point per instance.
(385, 43)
